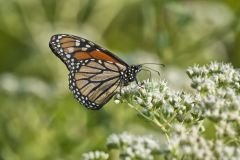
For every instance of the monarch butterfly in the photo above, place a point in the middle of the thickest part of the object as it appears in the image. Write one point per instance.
(95, 74)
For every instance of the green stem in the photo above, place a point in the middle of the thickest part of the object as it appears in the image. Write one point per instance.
(171, 119)
(161, 127)
(154, 120)
(164, 120)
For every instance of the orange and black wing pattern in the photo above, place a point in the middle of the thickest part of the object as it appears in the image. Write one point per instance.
(94, 72)
(67, 46)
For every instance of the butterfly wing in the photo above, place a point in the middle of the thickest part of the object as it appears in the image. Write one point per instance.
(67, 46)
(94, 72)
(94, 84)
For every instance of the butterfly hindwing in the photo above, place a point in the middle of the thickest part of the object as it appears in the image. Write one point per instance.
(94, 84)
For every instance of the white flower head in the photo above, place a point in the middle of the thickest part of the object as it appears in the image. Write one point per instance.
(134, 146)
(96, 155)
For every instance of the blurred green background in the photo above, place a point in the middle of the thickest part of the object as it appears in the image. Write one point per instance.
(40, 119)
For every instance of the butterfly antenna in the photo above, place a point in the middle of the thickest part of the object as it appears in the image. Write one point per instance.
(154, 64)
(152, 70)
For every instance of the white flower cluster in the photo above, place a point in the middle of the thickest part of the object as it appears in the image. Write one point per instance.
(134, 147)
(155, 97)
(224, 151)
(218, 85)
(217, 97)
(184, 143)
(215, 102)
(190, 144)
(96, 155)
(214, 75)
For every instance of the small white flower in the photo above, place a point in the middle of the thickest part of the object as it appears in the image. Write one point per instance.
(96, 155)
(113, 141)
(132, 146)
(117, 101)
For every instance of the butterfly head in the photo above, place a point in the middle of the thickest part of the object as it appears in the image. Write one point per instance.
(129, 75)
(136, 68)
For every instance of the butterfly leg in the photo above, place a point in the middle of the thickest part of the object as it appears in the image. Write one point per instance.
(121, 89)
(150, 75)
(139, 84)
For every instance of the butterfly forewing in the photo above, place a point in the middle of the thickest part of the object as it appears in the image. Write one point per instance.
(94, 72)
(69, 46)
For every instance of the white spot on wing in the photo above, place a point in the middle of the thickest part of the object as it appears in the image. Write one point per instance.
(68, 55)
(70, 50)
(77, 43)
(84, 49)
(91, 43)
